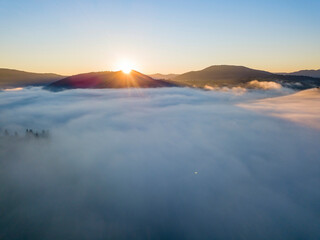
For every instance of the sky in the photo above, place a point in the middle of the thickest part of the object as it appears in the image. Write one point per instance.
(76, 36)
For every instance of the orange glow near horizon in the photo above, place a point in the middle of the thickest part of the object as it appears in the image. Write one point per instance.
(13, 89)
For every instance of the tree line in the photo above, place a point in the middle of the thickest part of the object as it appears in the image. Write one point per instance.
(29, 133)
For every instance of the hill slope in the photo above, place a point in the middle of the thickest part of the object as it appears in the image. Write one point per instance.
(163, 76)
(14, 78)
(109, 80)
(309, 73)
(231, 76)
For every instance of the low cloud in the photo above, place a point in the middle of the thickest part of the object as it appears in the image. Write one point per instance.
(172, 163)
(12, 89)
(233, 90)
(252, 85)
(264, 85)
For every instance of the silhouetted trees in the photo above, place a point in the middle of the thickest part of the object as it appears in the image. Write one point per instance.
(41, 134)
(29, 134)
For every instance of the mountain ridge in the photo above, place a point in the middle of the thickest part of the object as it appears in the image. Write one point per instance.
(209, 77)
(108, 79)
(10, 78)
(234, 76)
(310, 73)
(163, 76)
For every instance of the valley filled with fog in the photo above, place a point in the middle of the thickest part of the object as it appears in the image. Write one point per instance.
(170, 163)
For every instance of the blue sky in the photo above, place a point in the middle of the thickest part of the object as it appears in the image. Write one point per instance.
(69, 37)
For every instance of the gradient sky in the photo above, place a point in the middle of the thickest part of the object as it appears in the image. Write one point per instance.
(75, 36)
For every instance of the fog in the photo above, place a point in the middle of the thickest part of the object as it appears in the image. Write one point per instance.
(302, 107)
(171, 163)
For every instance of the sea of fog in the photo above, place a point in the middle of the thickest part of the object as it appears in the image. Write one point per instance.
(171, 163)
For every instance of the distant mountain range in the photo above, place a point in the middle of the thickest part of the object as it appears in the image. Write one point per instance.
(309, 73)
(233, 76)
(164, 76)
(10, 78)
(117, 79)
(212, 77)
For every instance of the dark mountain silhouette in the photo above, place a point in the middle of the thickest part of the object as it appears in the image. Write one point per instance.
(231, 76)
(109, 80)
(14, 78)
(214, 76)
(163, 76)
(308, 73)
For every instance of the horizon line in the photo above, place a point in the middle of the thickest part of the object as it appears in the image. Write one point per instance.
(46, 72)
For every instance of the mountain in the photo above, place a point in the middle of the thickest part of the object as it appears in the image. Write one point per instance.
(233, 76)
(10, 78)
(308, 73)
(214, 76)
(221, 74)
(108, 79)
(163, 76)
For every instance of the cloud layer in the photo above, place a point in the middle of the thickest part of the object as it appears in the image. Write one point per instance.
(264, 85)
(121, 164)
(302, 107)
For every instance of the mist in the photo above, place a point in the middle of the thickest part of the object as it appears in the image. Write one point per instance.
(170, 163)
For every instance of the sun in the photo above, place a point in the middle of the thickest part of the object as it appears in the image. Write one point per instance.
(126, 67)
(126, 70)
